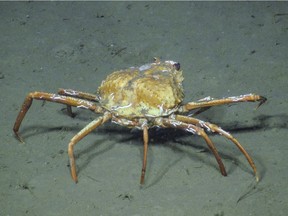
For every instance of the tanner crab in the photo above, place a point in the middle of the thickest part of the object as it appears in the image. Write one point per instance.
(142, 97)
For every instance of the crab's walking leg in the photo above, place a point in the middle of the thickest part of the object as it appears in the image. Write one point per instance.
(145, 149)
(199, 131)
(215, 102)
(81, 134)
(77, 94)
(53, 98)
(215, 128)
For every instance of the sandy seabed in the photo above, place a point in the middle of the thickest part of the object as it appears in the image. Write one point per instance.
(225, 49)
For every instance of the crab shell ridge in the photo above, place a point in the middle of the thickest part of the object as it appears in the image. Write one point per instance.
(152, 90)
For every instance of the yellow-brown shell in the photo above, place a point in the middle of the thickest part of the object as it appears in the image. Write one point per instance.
(151, 90)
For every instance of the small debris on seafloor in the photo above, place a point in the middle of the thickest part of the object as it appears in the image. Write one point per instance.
(2, 76)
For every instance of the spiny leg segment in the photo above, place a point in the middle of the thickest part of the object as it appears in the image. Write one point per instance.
(207, 103)
(80, 135)
(77, 94)
(70, 101)
(216, 102)
(172, 123)
(145, 149)
(215, 128)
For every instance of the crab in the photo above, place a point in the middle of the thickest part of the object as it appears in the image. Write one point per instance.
(143, 97)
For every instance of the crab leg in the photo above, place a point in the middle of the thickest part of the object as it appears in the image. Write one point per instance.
(199, 131)
(81, 134)
(222, 132)
(145, 149)
(78, 94)
(53, 98)
(215, 102)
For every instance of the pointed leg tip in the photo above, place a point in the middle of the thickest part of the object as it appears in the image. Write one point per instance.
(257, 177)
(20, 139)
(261, 100)
(73, 174)
(75, 179)
(142, 181)
(224, 173)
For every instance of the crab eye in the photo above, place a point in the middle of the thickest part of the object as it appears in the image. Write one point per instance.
(177, 66)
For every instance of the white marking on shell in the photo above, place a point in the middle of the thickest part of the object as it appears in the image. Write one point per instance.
(171, 62)
(121, 107)
(145, 67)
